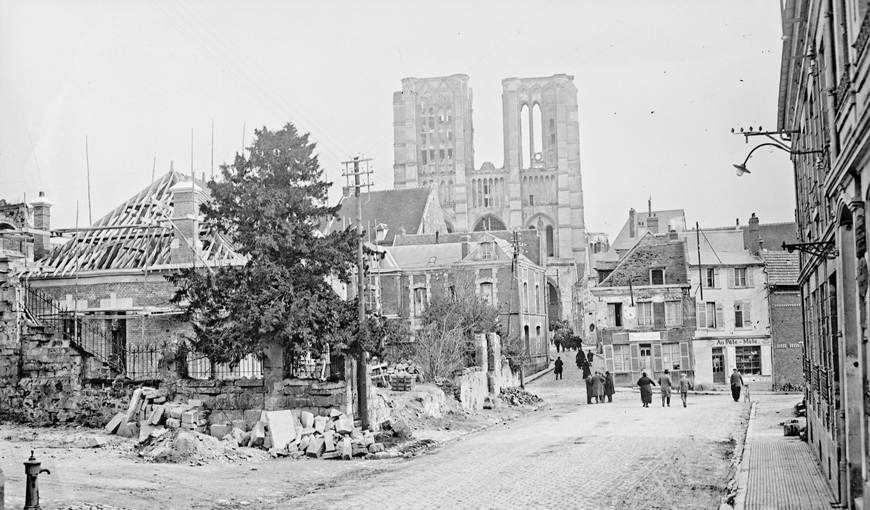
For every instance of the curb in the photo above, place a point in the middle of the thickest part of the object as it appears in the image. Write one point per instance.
(741, 479)
(537, 375)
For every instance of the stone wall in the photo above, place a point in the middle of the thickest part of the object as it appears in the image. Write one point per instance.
(470, 387)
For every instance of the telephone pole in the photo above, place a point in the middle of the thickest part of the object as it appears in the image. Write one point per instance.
(352, 168)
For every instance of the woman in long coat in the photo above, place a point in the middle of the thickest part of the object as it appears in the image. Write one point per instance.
(609, 389)
(646, 385)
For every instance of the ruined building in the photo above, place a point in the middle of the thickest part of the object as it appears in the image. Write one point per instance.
(539, 185)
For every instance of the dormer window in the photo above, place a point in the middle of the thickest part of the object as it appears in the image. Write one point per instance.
(486, 251)
(657, 277)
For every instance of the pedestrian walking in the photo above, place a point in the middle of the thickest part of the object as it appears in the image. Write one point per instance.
(558, 344)
(684, 387)
(598, 387)
(736, 384)
(588, 380)
(646, 385)
(665, 385)
(558, 369)
(589, 356)
(579, 359)
(608, 386)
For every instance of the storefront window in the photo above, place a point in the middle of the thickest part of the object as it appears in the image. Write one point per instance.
(621, 358)
(671, 356)
(748, 359)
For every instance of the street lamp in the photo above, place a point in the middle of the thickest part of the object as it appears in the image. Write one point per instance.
(741, 168)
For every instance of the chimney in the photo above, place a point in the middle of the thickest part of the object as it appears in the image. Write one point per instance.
(673, 236)
(632, 224)
(466, 245)
(754, 245)
(41, 223)
(652, 224)
(186, 198)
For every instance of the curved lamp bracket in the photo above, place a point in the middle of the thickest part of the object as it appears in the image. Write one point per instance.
(741, 168)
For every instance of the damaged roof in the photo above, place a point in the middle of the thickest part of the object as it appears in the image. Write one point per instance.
(136, 235)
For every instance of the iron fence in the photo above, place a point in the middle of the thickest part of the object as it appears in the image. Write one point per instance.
(199, 366)
(308, 365)
(143, 361)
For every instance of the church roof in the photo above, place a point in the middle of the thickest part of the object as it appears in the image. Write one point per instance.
(395, 208)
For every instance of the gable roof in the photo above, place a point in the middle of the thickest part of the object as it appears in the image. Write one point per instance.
(397, 208)
(650, 252)
(529, 240)
(782, 267)
(673, 218)
(136, 235)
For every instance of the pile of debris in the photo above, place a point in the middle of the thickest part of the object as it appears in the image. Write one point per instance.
(173, 431)
(396, 377)
(517, 396)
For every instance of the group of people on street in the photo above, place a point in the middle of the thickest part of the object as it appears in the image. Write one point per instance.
(599, 386)
(665, 383)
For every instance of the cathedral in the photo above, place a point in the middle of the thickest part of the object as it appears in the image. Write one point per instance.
(539, 185)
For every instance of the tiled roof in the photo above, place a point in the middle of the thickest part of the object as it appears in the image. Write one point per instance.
(137, 235)
(397, 208)
(782, 267)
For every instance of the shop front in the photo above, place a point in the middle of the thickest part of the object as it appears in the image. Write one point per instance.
(716, 358)
(628, 354)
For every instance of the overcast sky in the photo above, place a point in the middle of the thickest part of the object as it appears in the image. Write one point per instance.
(661, 85)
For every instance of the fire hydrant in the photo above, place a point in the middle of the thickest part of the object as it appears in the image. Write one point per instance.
(32, 470)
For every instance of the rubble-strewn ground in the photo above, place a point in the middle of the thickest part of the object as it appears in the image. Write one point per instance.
(93, 470)
(567, 455)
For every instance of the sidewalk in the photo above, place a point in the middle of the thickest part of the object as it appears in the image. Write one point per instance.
(778, 472)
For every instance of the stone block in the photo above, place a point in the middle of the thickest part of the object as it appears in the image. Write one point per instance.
(346, 449)
(219, 431)
(335, 414)
(125, 430)
(145, 430)
(249, 383)
(307, 419)
(173, 423)
(303, 444)
(194, 402)
(115, 422)
(344, 426)
(376, 448)
(282, 427)
(320, 423)
(258, 434)
(177, 411)
(315, 447)
(156, 415)
(368, 438)
(191, 416)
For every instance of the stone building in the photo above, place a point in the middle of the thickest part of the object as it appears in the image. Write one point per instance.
(25, 231)
(786, 320)
(645, 317)
(538, 187)
(823, 115)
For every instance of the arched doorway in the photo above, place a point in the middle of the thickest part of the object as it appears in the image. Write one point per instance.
(554, 303)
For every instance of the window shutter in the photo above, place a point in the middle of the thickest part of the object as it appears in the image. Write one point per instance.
(608, 358)
(720, 316)
(658, 310)
(732, 275)
(716, 281)
(611, 314)
(635, 358)
(657, 357)
(702, 315)
(747, 319)
(765, 360)
(684, 354)
(749, 282)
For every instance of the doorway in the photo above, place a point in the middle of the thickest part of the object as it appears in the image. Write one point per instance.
(646, 359)
(718, 365)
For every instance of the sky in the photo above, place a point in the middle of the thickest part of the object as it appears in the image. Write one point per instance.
(119, 90)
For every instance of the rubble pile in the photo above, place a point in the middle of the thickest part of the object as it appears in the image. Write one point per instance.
(173, 431)
(516, 396)
(397, 377)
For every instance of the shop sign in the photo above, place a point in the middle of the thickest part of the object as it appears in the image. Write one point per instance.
(719, 342)
(645, 336)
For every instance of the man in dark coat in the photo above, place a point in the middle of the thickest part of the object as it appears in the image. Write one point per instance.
(590, 356)
(558, 369)
(580, 359)
(586, 371)
(646, 385)
(609, 388)
(736, 384)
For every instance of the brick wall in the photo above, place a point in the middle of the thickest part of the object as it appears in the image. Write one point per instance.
(786, 322)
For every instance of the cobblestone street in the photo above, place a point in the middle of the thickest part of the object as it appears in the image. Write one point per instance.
(567, 455)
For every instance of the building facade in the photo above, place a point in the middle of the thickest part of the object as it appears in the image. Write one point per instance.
(645, 317)
(823, 113)
(733, 324)
(538, 187)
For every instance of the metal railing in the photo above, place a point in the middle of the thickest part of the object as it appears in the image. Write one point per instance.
(143, 361)
(200, 367)
(78, 329)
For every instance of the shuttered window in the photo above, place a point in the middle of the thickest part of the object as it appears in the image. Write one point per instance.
(621, 358)
(645, 314)
(742, 318)
(673, 313)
